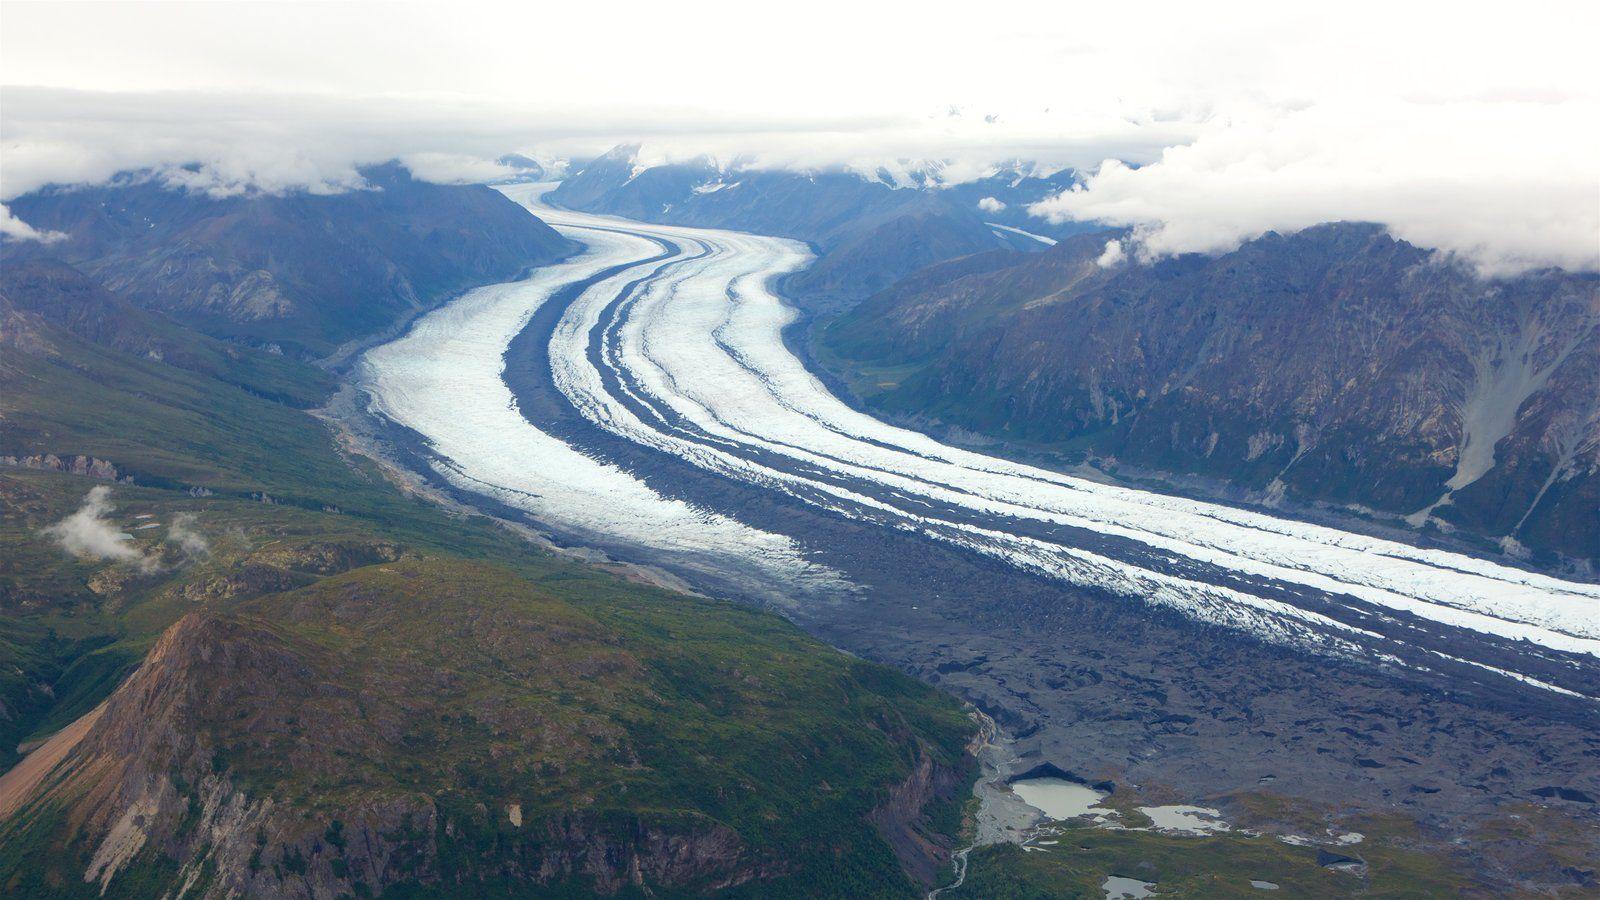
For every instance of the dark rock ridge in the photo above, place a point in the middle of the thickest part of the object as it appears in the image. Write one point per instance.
(1336, 364)
(258, 267)
(1051, 770)
(867, 231)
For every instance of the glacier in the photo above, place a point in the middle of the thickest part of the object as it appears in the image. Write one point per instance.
(673, 341)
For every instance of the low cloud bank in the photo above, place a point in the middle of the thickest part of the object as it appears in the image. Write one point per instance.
(457, 168)
(189, 541)
(18, 230)
(1475, 132)
(1507, 186)
(231, 143)
(87, 534)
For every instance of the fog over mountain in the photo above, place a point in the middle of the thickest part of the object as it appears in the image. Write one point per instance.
(1218, 128)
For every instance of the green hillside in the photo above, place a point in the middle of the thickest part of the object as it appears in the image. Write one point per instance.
(351, 691)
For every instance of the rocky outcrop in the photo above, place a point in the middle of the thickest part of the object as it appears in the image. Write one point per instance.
(902, 818)
(52, 310)
(150, 779)
(1336, 364)
(90, 466)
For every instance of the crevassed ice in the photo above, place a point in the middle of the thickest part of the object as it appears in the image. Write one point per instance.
(444, 380)
(703, 339)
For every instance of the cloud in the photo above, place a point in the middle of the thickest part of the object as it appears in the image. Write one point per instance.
(1508, 186)
(227, 143)
(87, 535)
(1468, 132)
(991, 205)
(17, 230)
(238, 174)
(1112, 255)
(188, 539)
(457, 168)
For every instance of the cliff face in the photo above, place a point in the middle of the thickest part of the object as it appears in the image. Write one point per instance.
(933, 790)
(1335, 364)
(259, 268)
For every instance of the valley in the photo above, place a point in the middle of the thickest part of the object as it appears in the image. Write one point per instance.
(836, 452)
(238, 658)
(1121, 635)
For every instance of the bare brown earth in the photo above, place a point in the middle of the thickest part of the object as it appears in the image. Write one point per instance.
(19, 782)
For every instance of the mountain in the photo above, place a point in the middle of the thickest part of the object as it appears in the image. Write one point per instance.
(1336, 364)
(1003, 196)
(411, 721)
(867, 229)
(264, 670)
(64, 297)
(261, 268)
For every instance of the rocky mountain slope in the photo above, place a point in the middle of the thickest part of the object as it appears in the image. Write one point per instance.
(235, 660)
(1336, 364)
(50, 291)
(261, 268)
(869, 229)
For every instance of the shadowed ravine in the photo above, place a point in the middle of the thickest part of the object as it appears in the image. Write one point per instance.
(640, 397)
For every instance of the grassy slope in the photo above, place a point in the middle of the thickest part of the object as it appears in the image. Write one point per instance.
(669, 704)
(1185, 866)
(175, 430)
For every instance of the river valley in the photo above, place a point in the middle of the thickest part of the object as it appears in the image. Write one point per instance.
(639, 398)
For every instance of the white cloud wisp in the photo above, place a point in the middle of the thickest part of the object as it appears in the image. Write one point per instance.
(1506, 186)
(1476, 133)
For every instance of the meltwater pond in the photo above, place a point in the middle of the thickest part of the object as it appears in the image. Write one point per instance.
(1058, 798)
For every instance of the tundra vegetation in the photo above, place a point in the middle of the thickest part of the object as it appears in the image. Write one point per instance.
(345, 689)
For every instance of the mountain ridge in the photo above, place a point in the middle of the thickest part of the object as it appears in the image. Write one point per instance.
(1201, 364)
(256, 268)
(867, 231)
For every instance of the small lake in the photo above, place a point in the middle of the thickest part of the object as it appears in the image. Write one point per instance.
(1057, 798)
(1118, 887)
(1185, 819)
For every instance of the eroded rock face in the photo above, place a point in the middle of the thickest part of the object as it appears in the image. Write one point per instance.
(90, 466)
(902, 818)
(1336, 364)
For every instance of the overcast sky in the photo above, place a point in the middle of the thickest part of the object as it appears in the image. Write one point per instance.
(1476, 130)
